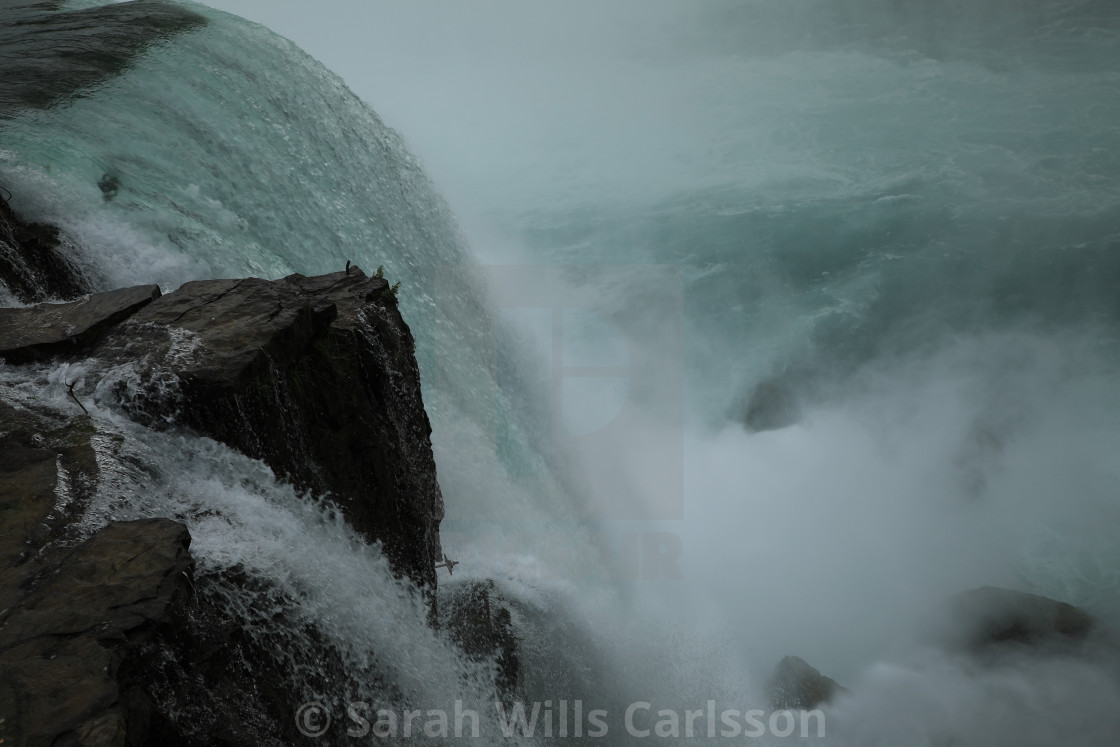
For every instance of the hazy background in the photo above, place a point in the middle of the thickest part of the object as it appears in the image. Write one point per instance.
(910, 207)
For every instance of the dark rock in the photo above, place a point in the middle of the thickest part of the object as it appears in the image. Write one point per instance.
(47, 55)
(797, 686)
(990, 617)
(112, 640)
(207, 678)
(60, 329)
(35, 262)
(480, 622)
(65, 643)
(771, 405)
(47, 476)
(109, 186)
(317, 377)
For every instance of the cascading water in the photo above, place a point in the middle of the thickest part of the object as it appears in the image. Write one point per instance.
(903, 221)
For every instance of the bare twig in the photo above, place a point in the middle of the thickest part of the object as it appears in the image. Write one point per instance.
(71, 388)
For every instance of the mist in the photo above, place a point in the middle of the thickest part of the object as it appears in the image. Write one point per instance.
(903, 216)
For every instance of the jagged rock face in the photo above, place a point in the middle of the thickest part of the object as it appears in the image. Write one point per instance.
(317, 377)
(795, 684)
(107, 643)
(480, 622)
(72, 612)
(35, 262)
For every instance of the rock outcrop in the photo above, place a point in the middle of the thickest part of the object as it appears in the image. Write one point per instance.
(47, 476)
(35, 261)
(74, 613)
(317, 377)
(796, 685)
(105, 641)
(110, 638)
(480, 622)
(50, 330)
(990, 618)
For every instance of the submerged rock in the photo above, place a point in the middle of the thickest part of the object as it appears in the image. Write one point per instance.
(110, 185)
(771, 405)
(796, 685)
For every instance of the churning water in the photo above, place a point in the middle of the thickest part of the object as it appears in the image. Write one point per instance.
(903, 222)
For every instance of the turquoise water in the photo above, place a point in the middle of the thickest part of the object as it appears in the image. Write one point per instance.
(906, 220)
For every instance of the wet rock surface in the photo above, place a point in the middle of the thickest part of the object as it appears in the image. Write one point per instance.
(36, 261)
(317, 377)
(69, 639)
(47, 54)
(480, 622)
(108, 636)
(67, 329)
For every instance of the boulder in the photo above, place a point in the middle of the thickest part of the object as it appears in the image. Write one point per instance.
(990, 617)
(315, 376)
(55, 329)
(795, 685)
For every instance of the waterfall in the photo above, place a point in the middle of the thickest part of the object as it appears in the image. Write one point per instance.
(745, 330)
